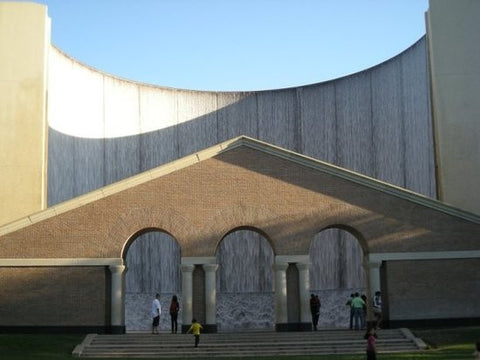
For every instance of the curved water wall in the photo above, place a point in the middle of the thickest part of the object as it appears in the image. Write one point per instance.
(103, 129)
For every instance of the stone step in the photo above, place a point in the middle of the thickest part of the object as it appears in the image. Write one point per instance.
(241, 337)
(243, 344)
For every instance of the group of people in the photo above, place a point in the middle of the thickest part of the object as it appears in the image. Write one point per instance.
(358, 314)
(356, 303)
(157, 311)
(358, 310)
(195, 328)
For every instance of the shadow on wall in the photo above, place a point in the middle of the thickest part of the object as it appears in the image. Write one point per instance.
(376, 122)
(45, 297)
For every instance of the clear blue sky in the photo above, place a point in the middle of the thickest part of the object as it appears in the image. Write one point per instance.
(227, 45)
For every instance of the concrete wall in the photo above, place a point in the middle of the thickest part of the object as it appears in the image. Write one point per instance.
(454, 52)
(24, 46)
(104, 129)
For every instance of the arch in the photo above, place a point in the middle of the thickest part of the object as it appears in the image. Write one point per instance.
(337, 269)
(153, 261)
(352, 230)
(135, 221)
(240, 216)
(248, 228)
(245, 280)
(138, 234)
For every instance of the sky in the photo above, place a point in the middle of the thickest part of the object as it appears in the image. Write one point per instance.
(234, 45)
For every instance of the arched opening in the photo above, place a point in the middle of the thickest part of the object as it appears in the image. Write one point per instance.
(153, 266)
(336, 271)
(245, 297)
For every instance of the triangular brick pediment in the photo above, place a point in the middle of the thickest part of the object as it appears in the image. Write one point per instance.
(242, 182)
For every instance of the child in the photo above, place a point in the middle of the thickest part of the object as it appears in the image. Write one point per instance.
(370, 336)
(195, 330)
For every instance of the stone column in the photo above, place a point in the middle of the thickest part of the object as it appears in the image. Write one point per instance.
(281, 316)
(187, 293)
(210, 297)
(117, 301)
(374, 276)
(374, 286)
(304, 288)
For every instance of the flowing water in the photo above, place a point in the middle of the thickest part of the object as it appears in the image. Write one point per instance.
(245, 278)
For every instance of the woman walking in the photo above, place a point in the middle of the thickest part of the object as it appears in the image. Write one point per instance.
(174, 308)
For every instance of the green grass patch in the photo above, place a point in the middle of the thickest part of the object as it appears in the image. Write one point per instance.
(449, 336)
(38, 346)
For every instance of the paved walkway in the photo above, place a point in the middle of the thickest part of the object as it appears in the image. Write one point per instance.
(168, 345)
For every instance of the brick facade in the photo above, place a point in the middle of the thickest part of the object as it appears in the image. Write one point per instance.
(286, 197)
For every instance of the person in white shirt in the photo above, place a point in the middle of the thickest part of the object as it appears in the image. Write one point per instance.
(377, 308)
(156, 312)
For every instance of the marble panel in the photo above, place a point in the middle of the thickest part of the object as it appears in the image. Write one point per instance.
(138, 312)
(245, 311)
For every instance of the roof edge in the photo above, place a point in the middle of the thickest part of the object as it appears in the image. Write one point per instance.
(233, 143)
(358, 178)
(117, 187)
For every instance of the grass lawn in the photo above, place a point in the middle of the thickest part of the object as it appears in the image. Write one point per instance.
(445, 344)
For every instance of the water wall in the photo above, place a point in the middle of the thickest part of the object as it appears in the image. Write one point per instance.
(103, 129)
(245, 279)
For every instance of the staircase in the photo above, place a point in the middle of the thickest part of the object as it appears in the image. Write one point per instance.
(231, 344)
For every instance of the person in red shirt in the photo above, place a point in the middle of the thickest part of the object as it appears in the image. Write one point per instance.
(371, 337)
(174, 308)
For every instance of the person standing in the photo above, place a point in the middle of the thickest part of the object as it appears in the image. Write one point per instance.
(195, 330)
(357, 307)
(156, 312)
(319, 305)
(314, 310)
(371, 337)
(350, 308)
(174, 308)
(377, 308)
(363, 317)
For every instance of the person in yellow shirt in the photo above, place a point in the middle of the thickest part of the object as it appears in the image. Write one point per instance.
(195, 330)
